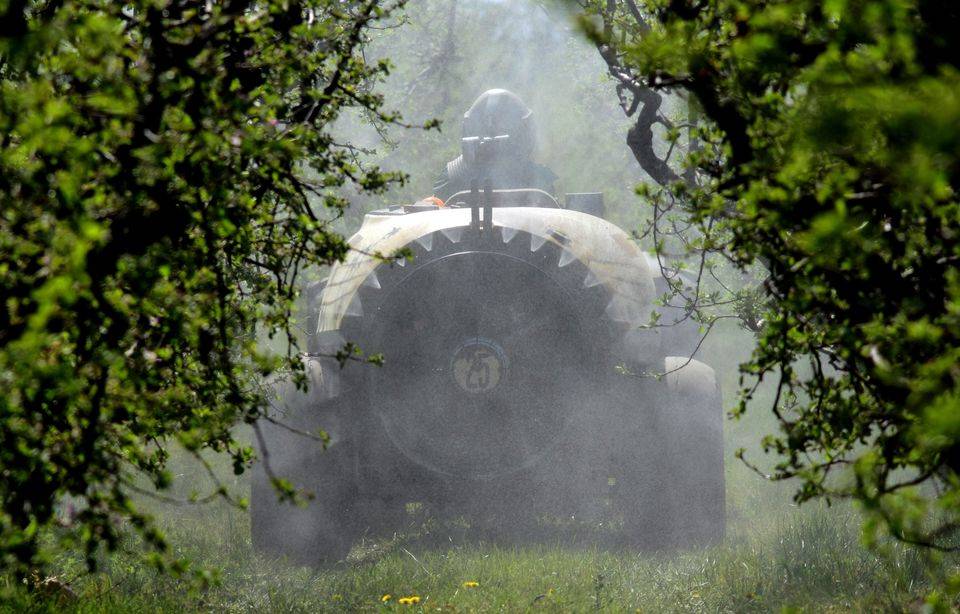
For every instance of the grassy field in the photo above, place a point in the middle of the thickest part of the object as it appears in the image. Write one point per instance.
(776, 557)
(807, 559)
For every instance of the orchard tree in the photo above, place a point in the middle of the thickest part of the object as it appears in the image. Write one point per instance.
(827, 150)
(168, 168)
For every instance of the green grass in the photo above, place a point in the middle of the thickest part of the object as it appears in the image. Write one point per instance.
(776, 557)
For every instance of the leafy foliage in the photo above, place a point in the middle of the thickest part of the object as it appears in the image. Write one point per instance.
(829, 152)
(167, 170)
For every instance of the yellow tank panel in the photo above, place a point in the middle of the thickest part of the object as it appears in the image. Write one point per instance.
(606, 250)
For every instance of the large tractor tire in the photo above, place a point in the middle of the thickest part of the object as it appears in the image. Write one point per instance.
(317, 530)
(676, 483)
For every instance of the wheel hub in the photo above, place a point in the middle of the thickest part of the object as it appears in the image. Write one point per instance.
(479, 365)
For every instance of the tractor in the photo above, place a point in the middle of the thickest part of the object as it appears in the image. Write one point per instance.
(522, 386)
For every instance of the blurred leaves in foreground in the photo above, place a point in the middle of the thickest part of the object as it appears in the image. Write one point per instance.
(167, 169)
(824, 138)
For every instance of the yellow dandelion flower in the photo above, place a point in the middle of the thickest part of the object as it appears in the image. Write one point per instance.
(411, 600)
(337, 597)
(386, 598)
(470, 584)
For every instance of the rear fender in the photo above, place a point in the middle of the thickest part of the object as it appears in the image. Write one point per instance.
(322, 367)
(689, 377)
(308, 409)
(694, 403)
